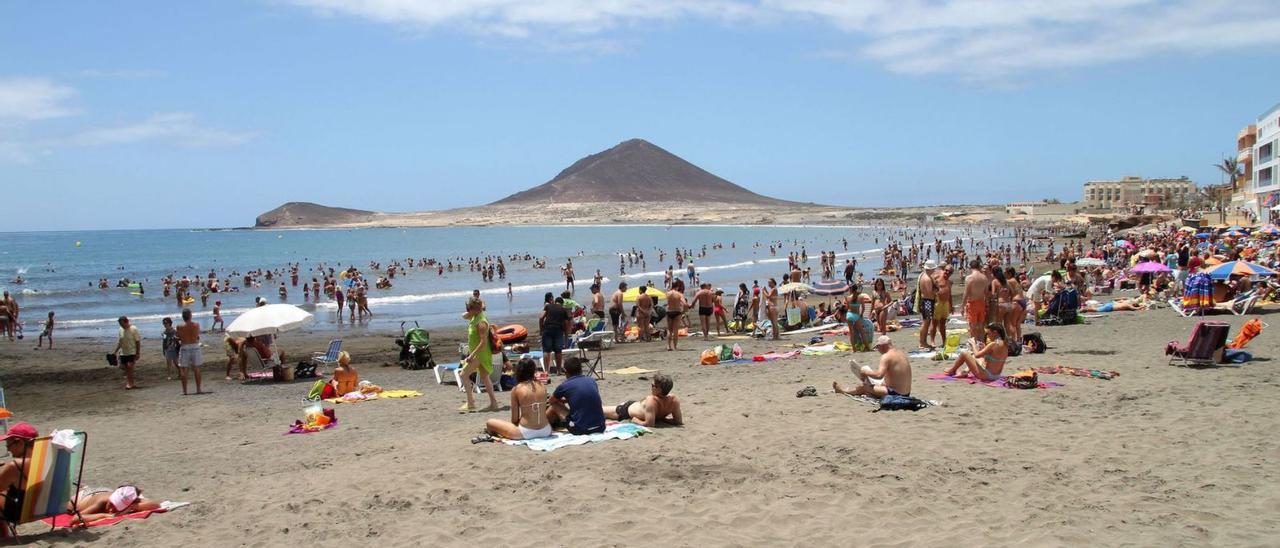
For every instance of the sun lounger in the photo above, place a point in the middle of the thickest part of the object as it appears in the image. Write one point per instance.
(1240, 305)
(50, 485)
(1206, 346)
(456, 370)
(329, 357)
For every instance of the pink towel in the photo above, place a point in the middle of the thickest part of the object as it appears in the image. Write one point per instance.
(998, 383)
(775, 356)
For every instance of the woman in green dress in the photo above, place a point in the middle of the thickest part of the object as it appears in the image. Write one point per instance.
(480, 358)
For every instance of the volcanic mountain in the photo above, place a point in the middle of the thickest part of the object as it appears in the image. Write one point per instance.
(636, 171)
(294, 214)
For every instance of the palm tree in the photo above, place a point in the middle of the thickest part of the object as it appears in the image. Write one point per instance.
(1231, 167)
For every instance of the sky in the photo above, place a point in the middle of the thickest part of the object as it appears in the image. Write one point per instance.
(207, 113)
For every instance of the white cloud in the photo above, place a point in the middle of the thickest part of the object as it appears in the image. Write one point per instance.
(26, 99)
(178, 128)
(972, 39)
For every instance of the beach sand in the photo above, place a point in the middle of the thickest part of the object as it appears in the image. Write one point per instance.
(1159, 456)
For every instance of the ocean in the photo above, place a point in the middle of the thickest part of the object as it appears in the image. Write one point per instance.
(62, 269)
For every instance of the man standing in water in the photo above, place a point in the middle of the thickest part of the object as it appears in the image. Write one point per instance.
(189, 355)
(568, 277)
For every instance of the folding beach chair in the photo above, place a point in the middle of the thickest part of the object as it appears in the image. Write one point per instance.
(51, 484)
(329, 357)
(4, 408)
(456, 370)
(1206, 346)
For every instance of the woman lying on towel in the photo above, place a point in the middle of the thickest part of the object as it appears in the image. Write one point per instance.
(1113, 306)
(96, 504)
(528, 408)
(987, 363)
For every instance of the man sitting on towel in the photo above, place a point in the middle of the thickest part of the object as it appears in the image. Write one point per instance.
(894, 370)
(577, 400)
(660, 405)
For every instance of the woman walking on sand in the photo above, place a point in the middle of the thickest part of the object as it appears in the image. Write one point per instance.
(480, 358)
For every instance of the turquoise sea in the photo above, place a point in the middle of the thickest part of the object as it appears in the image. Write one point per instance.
(61, 269)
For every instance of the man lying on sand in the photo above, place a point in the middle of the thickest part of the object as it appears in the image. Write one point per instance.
(659, 405)
(1113, 306)
(894, 369)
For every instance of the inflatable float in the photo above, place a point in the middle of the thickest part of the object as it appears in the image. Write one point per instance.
(512, 333)
(188, 300)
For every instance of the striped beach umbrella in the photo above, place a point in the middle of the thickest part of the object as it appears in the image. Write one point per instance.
(1242, 268)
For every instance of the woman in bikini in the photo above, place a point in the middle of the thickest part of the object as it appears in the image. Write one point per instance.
(853, 318)
(881, 306)
(985, 364)
(676, 305)
(770, 296)
(1018, 312)
(528, 407)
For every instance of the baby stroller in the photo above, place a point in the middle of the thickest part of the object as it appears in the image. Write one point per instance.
(415, 348)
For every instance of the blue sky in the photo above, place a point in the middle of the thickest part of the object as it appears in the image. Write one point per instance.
(195, 114)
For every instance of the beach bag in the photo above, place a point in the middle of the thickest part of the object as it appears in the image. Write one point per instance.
(724, 353)
(1034, 343)
(793, 316)
(895, 402)
(1023, 379)
(317, 389)
(709, 357)
(1015, 350)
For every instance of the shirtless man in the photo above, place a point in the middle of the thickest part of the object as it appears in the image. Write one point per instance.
(615, 311)
(644, 313)
(928, 299)
(706, 305)
(675, 312)
(597, 302)
(189, 355)
(894, 370)
(658, 406)
(217, 317)
(976, 288)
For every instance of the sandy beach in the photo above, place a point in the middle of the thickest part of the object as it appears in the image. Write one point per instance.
(1161, 455)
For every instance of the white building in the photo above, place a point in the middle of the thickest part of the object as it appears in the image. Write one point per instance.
(1135, 192)
(1266, 179)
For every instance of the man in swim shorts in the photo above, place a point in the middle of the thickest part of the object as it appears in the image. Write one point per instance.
(928, 291)
(706, 305)
(554, 325)
(190, 358)
(894, 370)
(615, 311)
(659, 405)
(976, 287)
(128, 348)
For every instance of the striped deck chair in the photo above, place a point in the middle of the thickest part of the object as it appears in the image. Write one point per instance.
(51, 485)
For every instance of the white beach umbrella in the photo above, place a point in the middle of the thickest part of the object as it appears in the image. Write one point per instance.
(271, 319)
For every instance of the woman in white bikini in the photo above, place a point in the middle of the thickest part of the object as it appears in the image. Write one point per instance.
(528, 408)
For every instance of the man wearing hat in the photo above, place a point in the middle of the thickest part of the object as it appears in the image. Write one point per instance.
(894, 370)
(18, 441)
(928, 294)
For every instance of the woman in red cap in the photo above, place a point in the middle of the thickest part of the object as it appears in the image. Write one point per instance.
(18, 441)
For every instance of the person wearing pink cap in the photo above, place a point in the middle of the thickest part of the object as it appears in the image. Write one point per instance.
(18, 441)
(105, 503)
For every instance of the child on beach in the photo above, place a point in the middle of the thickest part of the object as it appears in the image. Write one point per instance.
(48, 332)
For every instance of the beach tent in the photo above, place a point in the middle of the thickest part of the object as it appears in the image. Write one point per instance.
(271, 319)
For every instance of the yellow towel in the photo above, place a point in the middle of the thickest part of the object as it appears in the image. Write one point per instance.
(400, 393)
(632, 371)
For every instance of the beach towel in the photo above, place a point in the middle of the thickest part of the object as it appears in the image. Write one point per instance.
(1248, 331)
(818, 350)
(1197, 292)
(615, 431)
(64, 521)
(998, 383)
(357, 397)
(1077, 372)
(1236, 356)
(771, 356)
(922, 354)
(632, 371)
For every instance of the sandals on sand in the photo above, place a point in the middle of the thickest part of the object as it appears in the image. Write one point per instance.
(807, 391)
